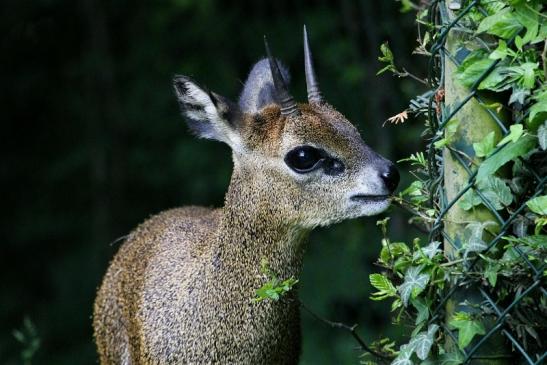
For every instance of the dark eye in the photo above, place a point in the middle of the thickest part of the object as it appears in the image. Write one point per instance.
(333, 167)
(304, 159)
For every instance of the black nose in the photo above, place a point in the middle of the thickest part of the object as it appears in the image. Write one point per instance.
(391, 178)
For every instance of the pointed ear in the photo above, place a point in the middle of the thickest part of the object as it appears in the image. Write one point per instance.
(209, 115)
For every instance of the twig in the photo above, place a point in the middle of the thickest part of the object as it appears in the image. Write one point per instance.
(344, 326)
(408, 206)
(405, 73)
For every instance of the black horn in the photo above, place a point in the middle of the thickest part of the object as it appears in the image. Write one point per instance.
(314, 94)
(288, 105)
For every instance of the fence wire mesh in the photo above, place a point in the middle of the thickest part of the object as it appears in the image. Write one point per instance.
(438, 118)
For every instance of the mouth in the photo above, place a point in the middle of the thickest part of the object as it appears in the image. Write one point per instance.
(369, 198)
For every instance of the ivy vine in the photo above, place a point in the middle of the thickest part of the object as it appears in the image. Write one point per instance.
(416, 276)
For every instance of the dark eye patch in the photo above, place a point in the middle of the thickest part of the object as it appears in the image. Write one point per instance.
(333, 167)
(304, 159)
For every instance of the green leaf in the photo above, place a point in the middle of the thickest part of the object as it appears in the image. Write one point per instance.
(402, 361)
(484, 147)
(431, 250)
(536, 242)
(19, 336)
(538, 110)
(414, 284)
(530, 20)
(491, 273)
(496, 191)
(385, 288)
(451, 358)
(504, 24)
(518, 95)
(524, 74)
(499, 53)
(542, 136)
(415, 192)
(423, 341)
(449, 131)
(422, 308)
(469, 199)
(515, 133)
(468, 73)
(386, 57)
(529, 74)
(273, 289)
(472, 237)
(506, 154)
(496, 80)
(518, 42)
(538, 205)
(467, 328)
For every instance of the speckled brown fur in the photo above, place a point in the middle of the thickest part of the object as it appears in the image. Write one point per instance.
(180, 289)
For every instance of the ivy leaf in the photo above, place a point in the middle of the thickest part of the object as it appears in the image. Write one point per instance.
(538, 110)
(515, 132)
(423, 341)
(542, 136)
(496, 80)
(472, 237)
(506, 154)
(405, 352)
(503, 24)
(538, 205)
(384, 286)
(432, 249)
(518, 95)
(484, 147)
(528, 78)
(414, 284)
(467, 328)
(519, 42)
(451, 358)
(499, 53)
(422, 308)
(491, 273)
(469, 200)
(496, 191)
(449, 131)
(468, 73)
(529, 19)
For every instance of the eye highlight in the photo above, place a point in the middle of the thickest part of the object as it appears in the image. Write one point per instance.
(304, 159)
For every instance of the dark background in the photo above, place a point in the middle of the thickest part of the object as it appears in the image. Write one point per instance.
(95, 144)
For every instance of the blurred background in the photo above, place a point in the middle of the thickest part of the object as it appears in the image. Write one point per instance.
(95, 144)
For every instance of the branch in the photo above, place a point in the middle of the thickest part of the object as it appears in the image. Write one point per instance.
(344, 326)
(405, 73)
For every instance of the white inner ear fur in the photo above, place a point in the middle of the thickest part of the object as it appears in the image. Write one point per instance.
(221, 130)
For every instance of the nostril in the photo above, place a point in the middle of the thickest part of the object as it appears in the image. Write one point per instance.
(391, 178)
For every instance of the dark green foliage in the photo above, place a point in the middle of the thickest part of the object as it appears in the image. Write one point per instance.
(488, 285)
(94, 144)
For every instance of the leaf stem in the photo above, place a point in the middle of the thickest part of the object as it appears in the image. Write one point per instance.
(351, 329)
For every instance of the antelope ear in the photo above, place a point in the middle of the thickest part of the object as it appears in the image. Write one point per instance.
(209, 115)
(259, 89)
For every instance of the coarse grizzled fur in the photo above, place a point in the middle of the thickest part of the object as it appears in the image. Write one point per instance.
(180, 289)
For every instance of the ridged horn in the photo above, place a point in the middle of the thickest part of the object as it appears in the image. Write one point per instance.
(288, 105)
(314, 94)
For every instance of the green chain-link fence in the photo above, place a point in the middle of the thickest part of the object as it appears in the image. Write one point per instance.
(446, 55)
